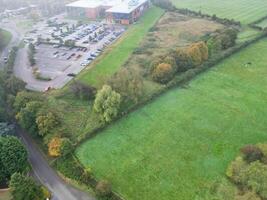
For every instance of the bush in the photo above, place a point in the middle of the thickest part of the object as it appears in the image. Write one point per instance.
(72, 169)
(163, 73)
(66, 147)
(24, 188)
(255, 177)
(251, 153)
(222, 40)
(235, 168)
(103, 189)
(249, 195)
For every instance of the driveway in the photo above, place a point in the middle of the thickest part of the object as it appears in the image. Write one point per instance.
(47, 176)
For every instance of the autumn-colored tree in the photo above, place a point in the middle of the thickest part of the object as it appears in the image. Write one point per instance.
(54, 147)
(163, 73)
(198, 53)
(46, 122)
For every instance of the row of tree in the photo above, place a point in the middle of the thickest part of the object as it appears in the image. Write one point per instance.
(164, 68)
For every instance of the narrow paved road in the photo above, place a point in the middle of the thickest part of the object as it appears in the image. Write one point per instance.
(15, 40)
(46, 175)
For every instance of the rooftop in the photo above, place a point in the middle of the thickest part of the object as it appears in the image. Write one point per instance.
(126, 6)
(94, 3)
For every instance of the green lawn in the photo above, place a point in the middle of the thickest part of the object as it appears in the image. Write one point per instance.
(247, 34)
(175, 147)
(263, 24)
(245, 11)
(118, 54)
(5, 38)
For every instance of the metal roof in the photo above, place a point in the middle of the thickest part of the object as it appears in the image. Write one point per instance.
(94, 3)
(126, 6)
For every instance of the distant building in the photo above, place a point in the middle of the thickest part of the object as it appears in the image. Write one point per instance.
(91, 9)
(127, 12)
(115, 11)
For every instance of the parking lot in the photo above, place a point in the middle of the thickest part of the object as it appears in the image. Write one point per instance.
(56, 60)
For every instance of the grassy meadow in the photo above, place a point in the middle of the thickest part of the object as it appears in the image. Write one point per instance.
(245, 11)
(118, 53)
(178, 145)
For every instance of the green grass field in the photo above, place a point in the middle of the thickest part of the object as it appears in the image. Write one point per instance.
(175, 147)
(245, 11)
(118, 54)
(5, 39)
(263, 24)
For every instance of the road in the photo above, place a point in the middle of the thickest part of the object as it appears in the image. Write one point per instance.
(15, 40)
(46, 175)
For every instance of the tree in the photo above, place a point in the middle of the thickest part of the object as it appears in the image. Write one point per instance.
(24, 188)
(183, 60)
(128, 83)
(198, 53)
(23, 97)
(13, 157)
(69, 43)
(46, 122)
(54, 147)
(163, 73)
(14, 85)
(31, 53)
(27, 116)
(107, 103)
